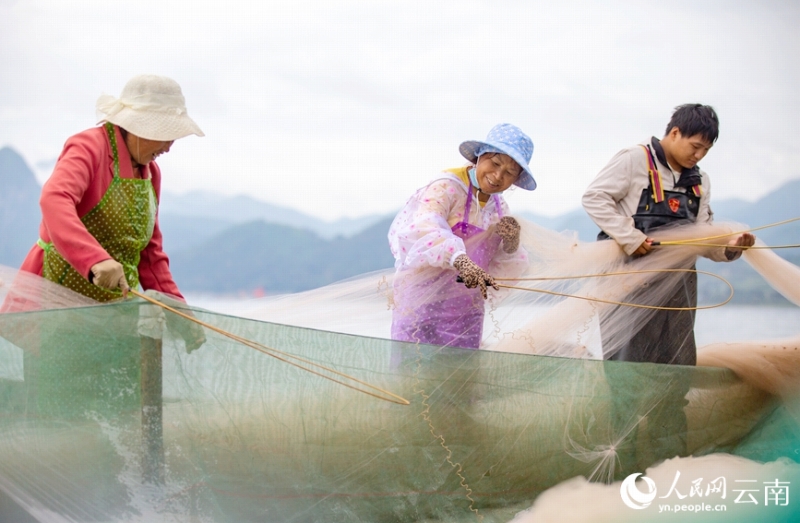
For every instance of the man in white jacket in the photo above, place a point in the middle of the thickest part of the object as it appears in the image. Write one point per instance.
(646, 186)
(627, 202)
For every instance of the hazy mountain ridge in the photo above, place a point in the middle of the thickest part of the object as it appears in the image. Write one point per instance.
(19, 208)
(243, 209)
(258, 256)
(774, 207)
(222, 244)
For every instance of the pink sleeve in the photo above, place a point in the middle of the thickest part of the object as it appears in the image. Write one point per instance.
(77, 173)
(154, 270)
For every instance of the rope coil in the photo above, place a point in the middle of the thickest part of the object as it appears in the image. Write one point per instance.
(612, 302)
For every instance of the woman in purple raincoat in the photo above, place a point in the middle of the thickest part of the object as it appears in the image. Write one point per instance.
(453, 236)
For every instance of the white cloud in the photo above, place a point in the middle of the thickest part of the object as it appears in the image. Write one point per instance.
(345, 107)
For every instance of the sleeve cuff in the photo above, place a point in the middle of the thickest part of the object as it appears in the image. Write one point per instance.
(456, 255)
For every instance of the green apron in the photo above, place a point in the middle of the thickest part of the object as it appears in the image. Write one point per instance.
(102, 375)
(122, 223)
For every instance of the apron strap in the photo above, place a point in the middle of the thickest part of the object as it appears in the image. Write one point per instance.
(112, 137)
(44, 246)
(468, 205)
(497, 205)
(655, 177)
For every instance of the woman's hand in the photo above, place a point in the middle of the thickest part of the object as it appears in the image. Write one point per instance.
(109, 275)
(193, 334)
(508, 229)
(472, 275)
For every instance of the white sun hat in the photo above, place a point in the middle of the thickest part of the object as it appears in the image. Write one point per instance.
(150, 107)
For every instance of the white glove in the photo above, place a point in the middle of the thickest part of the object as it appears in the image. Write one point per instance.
(109, 275)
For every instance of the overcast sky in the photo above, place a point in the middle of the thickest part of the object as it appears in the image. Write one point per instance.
(343, 108)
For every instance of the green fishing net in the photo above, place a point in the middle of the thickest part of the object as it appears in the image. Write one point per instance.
(104, 416)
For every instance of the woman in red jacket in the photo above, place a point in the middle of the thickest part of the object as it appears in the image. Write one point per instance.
(99, 233)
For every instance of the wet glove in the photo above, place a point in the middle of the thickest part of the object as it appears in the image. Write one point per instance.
(109, 274)
(472, 275)
(508, 229)
(192, 333)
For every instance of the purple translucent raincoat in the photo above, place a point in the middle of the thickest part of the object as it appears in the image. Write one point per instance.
(440, 222)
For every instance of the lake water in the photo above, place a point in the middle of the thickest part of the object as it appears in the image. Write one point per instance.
(729, 323)
(741, 323)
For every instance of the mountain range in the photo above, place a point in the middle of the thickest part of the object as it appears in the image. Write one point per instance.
(239, 245)
(19, 208)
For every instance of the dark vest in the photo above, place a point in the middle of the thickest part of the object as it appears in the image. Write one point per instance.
(658, 207)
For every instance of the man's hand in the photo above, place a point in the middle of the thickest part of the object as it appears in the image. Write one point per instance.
(736, 246)
(644, 248)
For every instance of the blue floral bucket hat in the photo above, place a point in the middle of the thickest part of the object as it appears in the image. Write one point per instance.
(506, 139)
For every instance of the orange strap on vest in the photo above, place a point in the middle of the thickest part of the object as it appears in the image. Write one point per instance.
(655, 179)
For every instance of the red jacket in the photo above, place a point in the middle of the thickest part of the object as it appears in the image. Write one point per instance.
(81, 177)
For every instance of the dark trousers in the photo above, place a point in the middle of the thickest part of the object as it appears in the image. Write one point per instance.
(658, 395)
(668, 337)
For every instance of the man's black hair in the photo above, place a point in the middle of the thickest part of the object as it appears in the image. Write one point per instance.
(692, 119)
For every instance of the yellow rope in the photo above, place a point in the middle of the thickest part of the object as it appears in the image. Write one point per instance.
(691, 243)
(611, 302)
(426, 416)
(682, 242)
(604, 274)
(284, 357)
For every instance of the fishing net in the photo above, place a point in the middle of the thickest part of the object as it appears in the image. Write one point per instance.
(105, 416)
(537, 317)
